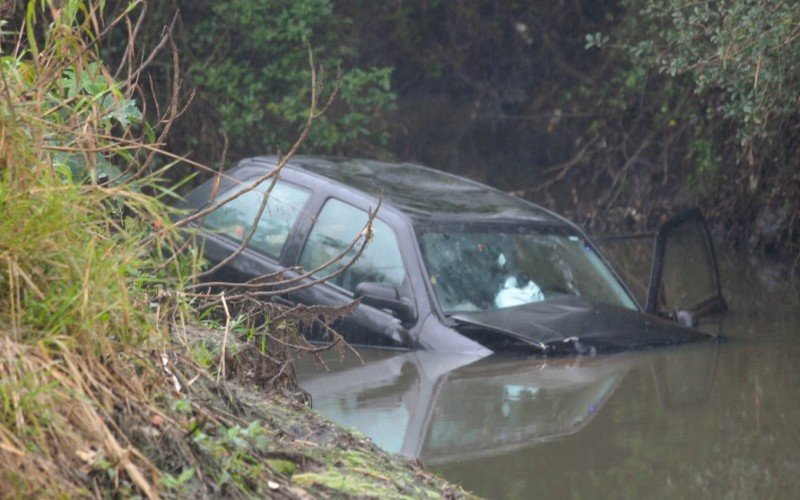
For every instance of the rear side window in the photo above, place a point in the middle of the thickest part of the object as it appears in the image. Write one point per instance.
(336, 227)
(284, 205)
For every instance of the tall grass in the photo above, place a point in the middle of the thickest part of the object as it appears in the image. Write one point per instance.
(80, 262)
(99, 394)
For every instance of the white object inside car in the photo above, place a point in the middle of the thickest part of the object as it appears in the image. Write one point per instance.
(513, 294)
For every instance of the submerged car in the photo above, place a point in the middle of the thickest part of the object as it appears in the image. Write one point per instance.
(451, 264)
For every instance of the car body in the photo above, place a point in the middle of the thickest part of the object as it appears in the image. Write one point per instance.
(451, 264)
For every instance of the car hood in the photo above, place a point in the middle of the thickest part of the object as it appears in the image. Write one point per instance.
(571, 324)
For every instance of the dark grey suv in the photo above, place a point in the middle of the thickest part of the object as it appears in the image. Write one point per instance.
(452, 264)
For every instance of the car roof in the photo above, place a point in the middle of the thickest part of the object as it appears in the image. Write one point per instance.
(420, 192)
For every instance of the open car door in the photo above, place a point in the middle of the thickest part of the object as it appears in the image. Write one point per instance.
(684, 279)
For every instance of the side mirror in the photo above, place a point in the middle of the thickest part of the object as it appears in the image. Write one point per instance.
(385, 296)
(684, 278)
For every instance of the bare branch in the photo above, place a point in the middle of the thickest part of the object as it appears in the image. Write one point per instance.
(161, 44)
(221, 372)
(127, 57)
(314, 113)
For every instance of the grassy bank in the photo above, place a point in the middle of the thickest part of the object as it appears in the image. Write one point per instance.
(107, 385)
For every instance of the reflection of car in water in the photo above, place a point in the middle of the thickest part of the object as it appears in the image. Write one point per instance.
(442, 408)
(452, 265)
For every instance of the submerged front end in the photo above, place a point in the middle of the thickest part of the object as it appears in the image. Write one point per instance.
(570, 325)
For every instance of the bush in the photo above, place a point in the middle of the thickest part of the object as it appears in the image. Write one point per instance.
(246, 62)
(715, 86)
(81, 263)
(100, 392)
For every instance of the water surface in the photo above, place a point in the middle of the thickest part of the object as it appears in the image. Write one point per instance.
(718, 418)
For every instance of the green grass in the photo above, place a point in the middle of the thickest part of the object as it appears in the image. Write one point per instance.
(109, 384)
(79, 265)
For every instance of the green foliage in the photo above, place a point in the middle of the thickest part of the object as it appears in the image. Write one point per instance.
(626, 103)
(740, 57)
(707, 166)
(237, 448)
(357, 477)
(97, 396)
(172, 482)
(282, 466)
(80, 261)
(693, 101)
(73, 256)
(596, 40)
(248, 62)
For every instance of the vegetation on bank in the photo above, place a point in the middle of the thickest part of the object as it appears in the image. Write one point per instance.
(243, 67)
(109, 384)
(715, 86)
(616, 112)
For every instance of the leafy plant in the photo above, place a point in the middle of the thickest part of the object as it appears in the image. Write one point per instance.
(245, 61)
(81, 260)
(734, 66)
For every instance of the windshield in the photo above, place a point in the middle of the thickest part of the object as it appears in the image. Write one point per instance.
(479, 268)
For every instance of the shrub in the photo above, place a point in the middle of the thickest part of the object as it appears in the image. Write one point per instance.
(81, 262)
(714, 86)
(244, 61)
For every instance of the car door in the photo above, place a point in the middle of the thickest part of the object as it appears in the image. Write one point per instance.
(381, 262)
(285, 207)
(684, 279)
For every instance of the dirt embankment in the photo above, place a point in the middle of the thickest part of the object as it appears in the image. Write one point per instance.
(268, 439)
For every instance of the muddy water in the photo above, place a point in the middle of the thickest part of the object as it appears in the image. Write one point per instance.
(718, 419)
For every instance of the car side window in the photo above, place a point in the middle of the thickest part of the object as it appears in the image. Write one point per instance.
(235, 219)
(336, 227)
